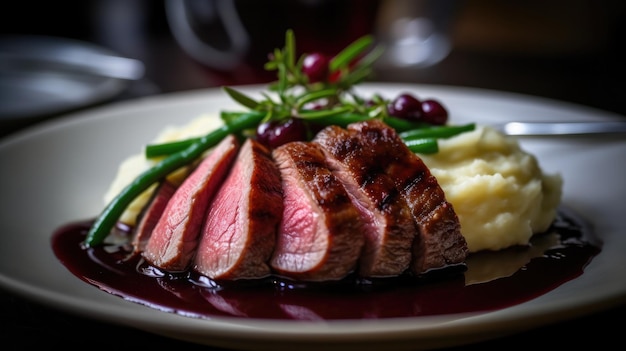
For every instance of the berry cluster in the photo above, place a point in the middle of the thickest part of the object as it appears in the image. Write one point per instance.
(315, 67)
(409, 107)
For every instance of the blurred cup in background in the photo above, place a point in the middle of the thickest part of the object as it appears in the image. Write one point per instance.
(415, 33)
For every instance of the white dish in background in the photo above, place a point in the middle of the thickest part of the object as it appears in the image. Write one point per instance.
(58, 171)
(44, 76)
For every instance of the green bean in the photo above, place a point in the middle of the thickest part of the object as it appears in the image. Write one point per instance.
(412, 130)
(401, 125)
(164, 149)
(343, 119)
(111, 213)
(423, 145)
(156, 150)
(437, 131)
(339, 119)
(409, 129)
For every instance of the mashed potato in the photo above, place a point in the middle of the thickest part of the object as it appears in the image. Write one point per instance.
(499, 192)
(136, 164)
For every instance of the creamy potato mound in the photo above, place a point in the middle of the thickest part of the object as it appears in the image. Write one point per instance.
(134, 165)
(499, 191)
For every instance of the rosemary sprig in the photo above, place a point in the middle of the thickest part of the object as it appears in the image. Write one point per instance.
(294, 94)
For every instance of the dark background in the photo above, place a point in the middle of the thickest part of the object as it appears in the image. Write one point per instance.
(570, 50)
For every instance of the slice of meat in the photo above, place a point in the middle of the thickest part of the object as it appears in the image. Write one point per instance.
(440, 243)
(151, 214)
(174, 239)
(239, 233)
(320, 236)
(389, 227)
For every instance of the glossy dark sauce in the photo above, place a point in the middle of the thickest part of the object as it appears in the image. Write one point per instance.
(555, 257)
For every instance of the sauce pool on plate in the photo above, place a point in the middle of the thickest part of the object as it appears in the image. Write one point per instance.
(492, 280)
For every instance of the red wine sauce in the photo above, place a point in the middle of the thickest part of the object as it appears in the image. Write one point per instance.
(113, 269)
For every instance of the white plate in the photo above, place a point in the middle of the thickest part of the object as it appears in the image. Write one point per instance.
(57, 172)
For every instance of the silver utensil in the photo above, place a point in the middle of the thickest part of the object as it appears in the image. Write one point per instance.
(38, 53)
(90, 63)
(562, 128)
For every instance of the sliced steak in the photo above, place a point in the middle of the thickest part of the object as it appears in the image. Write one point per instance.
(440, 242)
(174, 239)
(239, 233)
(151, 214)
(389, 227)
(320, 236)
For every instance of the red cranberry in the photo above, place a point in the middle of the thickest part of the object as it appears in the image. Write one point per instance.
(434, 112)
(315, 66)
(406, 106)
(276, 133)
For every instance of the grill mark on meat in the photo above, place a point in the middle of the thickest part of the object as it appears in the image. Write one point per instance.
(389, 228)
(174, 239)
(151, 213)
(239, 233)
(353, 199)
(320, 234)
(440, 243)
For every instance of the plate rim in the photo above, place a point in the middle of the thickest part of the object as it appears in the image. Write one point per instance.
(339, 333)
